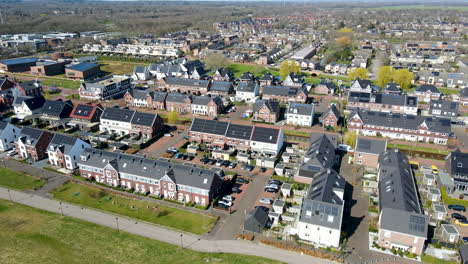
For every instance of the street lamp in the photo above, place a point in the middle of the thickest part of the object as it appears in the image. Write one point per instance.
(117, 222)
(61, 208)
(181, 242)
(9, 195)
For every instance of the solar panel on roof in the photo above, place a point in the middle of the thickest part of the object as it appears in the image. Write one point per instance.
(82, 66)
(334, 211)
(83, 110)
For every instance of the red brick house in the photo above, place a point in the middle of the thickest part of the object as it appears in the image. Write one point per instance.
(285, 94)
(82, 71)
(326, 87)
(32, 143)
(86, 116)
(180, 103)
(6, 84)
(368, 151)
(184, 85)
(331, 118)
(207, 106)
(266, 111)
(30, 88)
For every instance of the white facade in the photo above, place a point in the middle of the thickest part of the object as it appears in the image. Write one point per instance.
(247, 96)
(299, 120)
(71, 157)
(8, 135)
(268, 147)
(320, 235)
(401, 135)
(199, 109)
(115, 127)
(22, 111)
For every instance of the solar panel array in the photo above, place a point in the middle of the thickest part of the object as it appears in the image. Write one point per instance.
(239, 131)
(83, 110)
(53, 107)
(417, 223)
(209, 126)
(264, 134)
(117, 114)
(144, 119)
(82, 66)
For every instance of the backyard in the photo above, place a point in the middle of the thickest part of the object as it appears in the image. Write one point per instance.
(143, 210)
(30, 235)
(17, 180)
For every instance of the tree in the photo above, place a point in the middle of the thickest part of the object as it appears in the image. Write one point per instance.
(403, 77)
(350, 139)
(345, 30)
(215, 61)
(385, 75)
(172, 117)
(289, 66)
(360, 73)
(343, 42)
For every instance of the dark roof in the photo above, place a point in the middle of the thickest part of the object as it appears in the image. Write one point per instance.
(29, 135)
(371, 146)
(18, 61)
(187, 82)
(387, 99)
(239, 131)
(463, 250)
(118, 114)
(457, 163)
(273, 106)
(221, 86)
(329, 84)
(200, 100)
(300, 109)
(246, 86)
(144, 119)
(208, 126)
(140, 94)
(56, 108)
(319, 156)
(427, 88)
(246, 76)
(446, 107)
(32, 102)
(140, 69)
(265, 134)
(392, 87)
(177, 97)
(159, 96)
(30, 85)
(83, 66)
(84, 111)
(62, 142)
(331, 110)
(255, 220)
(267, 77)
(362, 83)
(282, 90)
(464, 92)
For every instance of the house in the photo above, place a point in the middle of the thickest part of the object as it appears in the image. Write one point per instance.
(300, 114)
(320, 156)
(439, 212)
(449, 234)
(25, 106)
(6, 84)
(393, 88)
(331, 118)
(400, 126)
(456, 164)
(86, 116)
(29, 88)
(32, 143)
(256, 220)
(109, 87)
(463, 251)
(53, 112)
(130, 122)
(444, 108)
(238, 136)
(7, 98)
(365, 86)
(402, 222)
(321, 214)
(247, 91)
(207, 106)
(285, 94)
(82, 71)
(393, 103)
(427, 92)
(433, 195)
(138, 98)
(157, 177)
(443, 78)
(267, 79)
(176, 102)
(247, 77)
(48, 68)
(266, 140)
(278, 206)
(221, 88)
(368, 151)
(17, 65)
(464, 97)
(295, 80)
(64, 151)
(8, 135)
(429, 179)
(141, 73)
(223, 74)
(266, 111)
(326, 87)
(168, 69)
(184, 85)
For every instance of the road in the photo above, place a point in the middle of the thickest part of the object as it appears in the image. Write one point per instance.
(159, 147)
(152, 231)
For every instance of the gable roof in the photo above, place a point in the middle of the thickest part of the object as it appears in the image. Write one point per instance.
(255, 220)
(371, 146)
(362, 83)
(56, 108)
(31, 102)
(283, 90)
(187, 82)
(140, 69)
(30, 136)
(320, 155)
(457, 163)
(265, 134)
(29, 85)
(239, 131)
(84, 111)
(246, 86)
(464, 93)
(117, 114)
(427, 88)
(62, 142)
(208, 126)
(273, 106)
(177, 97)
(332, 110)
(300, 109)
(221, 86)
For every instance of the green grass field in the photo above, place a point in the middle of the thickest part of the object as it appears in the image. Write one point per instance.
(416, 148)
(16, 180)
(433, 260)
(449, 91)
(143, 210)
(48, 81)
(29, 235)
(118, 67)
(258, 70)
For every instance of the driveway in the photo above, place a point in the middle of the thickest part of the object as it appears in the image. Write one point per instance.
(40, 164)
(159, 147)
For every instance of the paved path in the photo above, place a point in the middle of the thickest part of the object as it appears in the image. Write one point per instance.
(152, 231)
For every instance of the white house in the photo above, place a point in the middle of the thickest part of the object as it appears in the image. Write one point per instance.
(65, 151)
(361, 86)
(141, 73)
(300, 114)
(247, 91)
(266, 140)
(26, 106)
(8, 134)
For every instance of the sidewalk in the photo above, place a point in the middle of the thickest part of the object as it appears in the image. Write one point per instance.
(155, 232)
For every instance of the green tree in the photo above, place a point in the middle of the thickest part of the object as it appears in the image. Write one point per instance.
(360, 73)
(289, 66)
(403, 77)
(172, 117)
(349, 138)
(215, 61)
(345, 30)
(385, 75)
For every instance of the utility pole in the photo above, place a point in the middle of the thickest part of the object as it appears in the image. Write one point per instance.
(61, 207)
(117, 222)
(181, 241)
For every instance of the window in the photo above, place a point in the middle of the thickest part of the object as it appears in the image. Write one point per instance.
(459, 165)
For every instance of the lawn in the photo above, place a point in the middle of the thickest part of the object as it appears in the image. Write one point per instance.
(449, 91)
(417, 148)
(296, 133)
(258, 70)
(451, 201)
(29, 235)
(16, 180)
(143, 210)
(118, 67)
(433, 260)
(73, 97)
(58, 82)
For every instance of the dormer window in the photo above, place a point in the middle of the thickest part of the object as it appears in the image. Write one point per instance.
(459, 165)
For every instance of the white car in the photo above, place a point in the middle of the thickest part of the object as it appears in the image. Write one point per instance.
(345, 148)
(12, 153)
(272, 185)
(227, 203)
(265, 201)
(168, 135)
(228, 198)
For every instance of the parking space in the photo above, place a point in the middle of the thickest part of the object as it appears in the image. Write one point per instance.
(462, 229)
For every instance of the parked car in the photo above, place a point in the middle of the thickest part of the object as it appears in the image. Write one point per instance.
(241, 180)
(168, 135)
(204, 160)
(346, 148)
(461, 222)
(250, 167)
(265, 201)
(465, 239)
(228, 198)
(222, 205)
(457, 207)
(277, 182)
(225, 202)
(236, 190)
(190, 157)
(270, 190)
(219, 162)
(262, 170)
(264, 208)
(184, 156)
(232, 165)
(211, 161)
(179, 155)
(458, 216)
(225, 163)
(272, 185)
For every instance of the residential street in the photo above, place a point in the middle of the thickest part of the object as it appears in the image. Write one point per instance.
(156, 232)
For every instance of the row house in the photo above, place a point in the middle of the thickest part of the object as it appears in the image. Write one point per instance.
(449, 79)
(221, 88)
(220, 133)
(300, 114)
(109, 87)
(285, 94)
(444, 108)
(247, 91)
(402, 222)
(8, 135)
(364, 86)
(223, 74)
(393, 88)
(331, 118)
(29, 88)
(64, 151)
(267, 79)
(32, 143)
(266, 111)
(184, 85)
(180, 103)
(129, 122)
(86, 116)
(456, 164)
(53, 112)
(207, 106)
(326, 87)
(295, 80)
(400, 126)
(336, 68)
(383, 102)
(141, 73)
(427, 92)
(157, 177)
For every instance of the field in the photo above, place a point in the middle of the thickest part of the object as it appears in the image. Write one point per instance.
(17, 180)
(30, 235)
(118, 67)
(143, 210)
(58, 82)
(416, 148)
(258, 70)
(425, 7)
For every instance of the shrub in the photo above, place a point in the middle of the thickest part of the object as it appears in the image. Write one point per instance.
(374, 244)
(393, 250)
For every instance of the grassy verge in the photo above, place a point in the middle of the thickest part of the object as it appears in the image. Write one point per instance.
(449, 200)
(73, 97)
(16, 180)
(238, 69)
(143, 210)
(417, 148)
(296, 133)
(449, 91)
(30, 235)
(433, 260)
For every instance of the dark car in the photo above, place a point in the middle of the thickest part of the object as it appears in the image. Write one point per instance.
(179, 156)
(204, 160)
(264, 208)
(262, 170)
(457, 207)
(235, 190)
(270, 190)
(277, 182)
(250, 167)
(211, 161)
(458, 216)
(465, 239)
(225, 163)
(184, 156)
(190, 157)
(241, 180)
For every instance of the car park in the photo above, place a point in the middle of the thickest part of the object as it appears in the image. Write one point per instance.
(265, 201)
(458, 216)
(232, 165)
(235, 190)
(457, 207)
